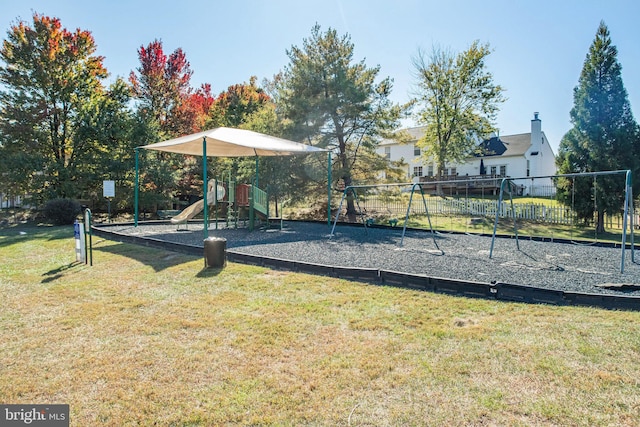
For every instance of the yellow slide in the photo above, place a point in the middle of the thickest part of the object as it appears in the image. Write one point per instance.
(189, 212)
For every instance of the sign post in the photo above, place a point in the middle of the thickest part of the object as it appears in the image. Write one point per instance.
(109, 191)
(78, 234)
(88, 243)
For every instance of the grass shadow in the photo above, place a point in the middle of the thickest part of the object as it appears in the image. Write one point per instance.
(158, 259)
(209, 272)
(62, 268)
(16, 233)
(58, 273)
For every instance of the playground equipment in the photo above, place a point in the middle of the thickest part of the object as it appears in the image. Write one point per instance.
(502, 208)
(194, 209)
(229, 200)
(230, 142)
(508, 184)
(367, 222)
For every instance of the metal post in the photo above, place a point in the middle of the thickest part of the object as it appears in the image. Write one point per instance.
(632, 225)
(88, 243)
(205, 184)
(513, 212)
(135, 193)
(257, 171)
(627, 200)
(495, 224)
(329, 167)
(344, 194)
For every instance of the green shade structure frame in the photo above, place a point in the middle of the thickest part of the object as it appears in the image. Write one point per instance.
(230, 142)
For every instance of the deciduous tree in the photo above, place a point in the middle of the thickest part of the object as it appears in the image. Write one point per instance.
(457, 102)
(167, 107)
(50, 77)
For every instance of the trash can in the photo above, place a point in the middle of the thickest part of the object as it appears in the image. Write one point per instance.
(215, 252)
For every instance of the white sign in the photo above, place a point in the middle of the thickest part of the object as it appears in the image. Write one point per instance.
(108, 188)
(78, 234)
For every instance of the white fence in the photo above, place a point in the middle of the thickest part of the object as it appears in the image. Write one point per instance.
(397, 207)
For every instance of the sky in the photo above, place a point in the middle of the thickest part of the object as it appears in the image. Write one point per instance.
(538, 47)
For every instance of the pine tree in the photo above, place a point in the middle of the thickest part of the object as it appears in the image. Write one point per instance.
(336, 103)
(604, 136)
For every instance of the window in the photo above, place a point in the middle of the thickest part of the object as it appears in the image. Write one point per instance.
(503, 170)
(387, 152)
(528, 168)
(430, 170)
(416, 150)
(417, 171)
(452, 172)
(494, 170)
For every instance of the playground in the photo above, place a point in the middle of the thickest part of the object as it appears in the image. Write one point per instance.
(485, 265)
(356, 251)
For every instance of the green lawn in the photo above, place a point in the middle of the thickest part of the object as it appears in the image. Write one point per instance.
(148, 337)
(484, 225)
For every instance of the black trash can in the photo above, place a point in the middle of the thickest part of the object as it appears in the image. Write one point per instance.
(215, 252)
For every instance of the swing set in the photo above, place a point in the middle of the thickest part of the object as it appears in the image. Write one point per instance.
(508, 187)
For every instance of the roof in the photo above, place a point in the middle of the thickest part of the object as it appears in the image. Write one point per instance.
(505, 146)
(415, 133)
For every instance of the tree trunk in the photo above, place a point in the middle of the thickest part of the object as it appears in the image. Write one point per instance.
(600, 222)
(441, 169)
(351, 204)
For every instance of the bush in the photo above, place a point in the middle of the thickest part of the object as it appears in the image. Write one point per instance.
(61, 211)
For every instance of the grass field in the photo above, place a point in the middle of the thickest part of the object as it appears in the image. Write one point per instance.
(484, 225)
(147, 337)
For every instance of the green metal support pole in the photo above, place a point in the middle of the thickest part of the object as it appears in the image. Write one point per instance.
(204, 178)
(257, 171)
(329, 189)
(135, 192)
(628, 207)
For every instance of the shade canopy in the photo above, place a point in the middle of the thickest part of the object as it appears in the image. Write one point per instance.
(230, 142)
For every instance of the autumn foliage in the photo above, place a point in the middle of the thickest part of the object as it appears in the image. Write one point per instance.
(162, 85)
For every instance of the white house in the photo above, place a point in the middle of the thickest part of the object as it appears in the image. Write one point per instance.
(516, 156)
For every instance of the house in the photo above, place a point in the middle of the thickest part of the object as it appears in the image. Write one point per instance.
(523, 156)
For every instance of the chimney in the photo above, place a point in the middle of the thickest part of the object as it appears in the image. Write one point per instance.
(536, 132)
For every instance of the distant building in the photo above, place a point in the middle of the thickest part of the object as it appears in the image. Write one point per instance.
(516, 156)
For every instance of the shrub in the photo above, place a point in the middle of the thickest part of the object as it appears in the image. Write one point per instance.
(61, 211)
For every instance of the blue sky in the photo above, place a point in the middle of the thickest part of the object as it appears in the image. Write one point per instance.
(538, 46)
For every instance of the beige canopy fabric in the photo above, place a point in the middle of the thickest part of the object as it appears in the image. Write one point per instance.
(230, 142)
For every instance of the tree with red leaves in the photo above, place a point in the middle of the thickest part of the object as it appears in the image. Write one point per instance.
(168, 108)
(162, 86)
(50, 78)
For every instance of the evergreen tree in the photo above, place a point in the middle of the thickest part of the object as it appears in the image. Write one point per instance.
(604, 136)
(335, 103)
